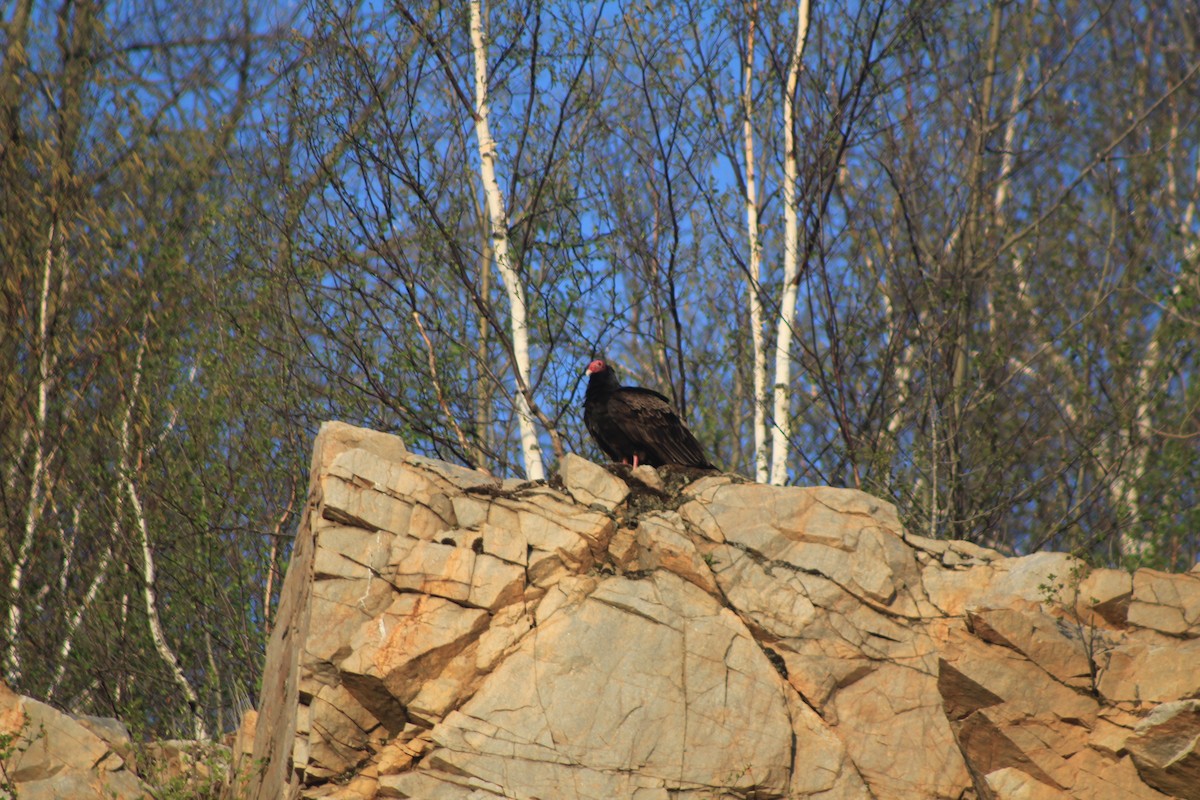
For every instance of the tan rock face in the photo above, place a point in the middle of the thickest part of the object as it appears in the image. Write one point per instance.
(1166, 748)
(1165, 602)
(446, 635)
(710, 709)
(52, 755)
(590, 483)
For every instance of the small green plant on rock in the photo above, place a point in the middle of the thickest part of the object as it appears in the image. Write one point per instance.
(8, 748)
(1063, 593)
(13, 743)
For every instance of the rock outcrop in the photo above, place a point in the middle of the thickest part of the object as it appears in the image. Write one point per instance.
(48, 755)
(443, 634)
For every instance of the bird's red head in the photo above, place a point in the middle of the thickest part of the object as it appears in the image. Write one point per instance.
(596, 366)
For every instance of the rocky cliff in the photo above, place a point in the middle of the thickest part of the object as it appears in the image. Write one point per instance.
(46, 754)
(446, 635)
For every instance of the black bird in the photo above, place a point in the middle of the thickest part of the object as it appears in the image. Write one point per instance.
(637, 425)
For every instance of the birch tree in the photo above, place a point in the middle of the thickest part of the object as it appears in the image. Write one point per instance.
(754, 261)
(36, 438)
(498, 220)
(782, 431)
(149, 580)
(1041, 202)
(116, 129)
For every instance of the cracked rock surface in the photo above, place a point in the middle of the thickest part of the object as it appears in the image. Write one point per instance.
(681, 635)
(50, 755)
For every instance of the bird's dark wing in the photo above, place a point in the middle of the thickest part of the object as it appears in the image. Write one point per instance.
(606, 431)
(646, 417)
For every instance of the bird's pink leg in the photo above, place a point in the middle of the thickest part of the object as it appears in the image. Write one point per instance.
(635, 460)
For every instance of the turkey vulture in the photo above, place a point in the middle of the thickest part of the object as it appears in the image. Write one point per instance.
(634, 424)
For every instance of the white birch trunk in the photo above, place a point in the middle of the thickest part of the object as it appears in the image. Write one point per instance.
(33, 509)
(1134, 451)
(782, 432)
(1131, 457)
(68, 642)
(275, 539)
(149, 590)
(754, 268)
(531, 449)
